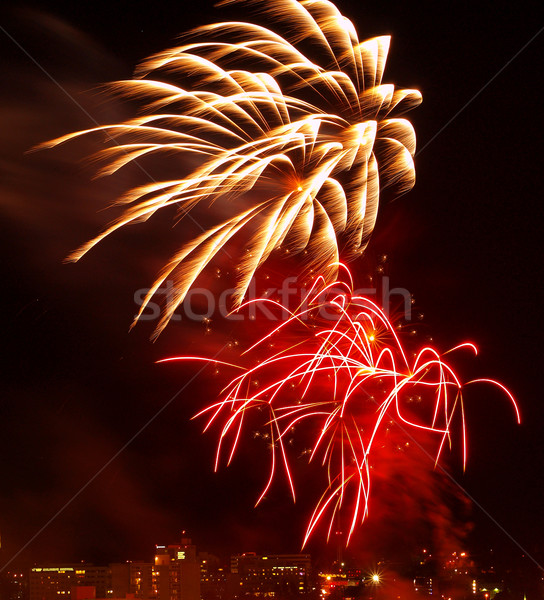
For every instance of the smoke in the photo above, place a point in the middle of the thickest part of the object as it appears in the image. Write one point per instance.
(53, 71)
(64, 412)
(416, 512)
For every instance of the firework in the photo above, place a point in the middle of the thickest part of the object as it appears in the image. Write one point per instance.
(337, 371)
(289, 153)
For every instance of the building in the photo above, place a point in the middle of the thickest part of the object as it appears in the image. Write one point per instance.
(13, 585)
(132, 580)
(423, 585)
(177, 571)
(78, 582)
(215, 579)
(271, 575)
(51, 583)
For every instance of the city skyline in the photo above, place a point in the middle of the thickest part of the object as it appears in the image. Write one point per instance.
(182, 571)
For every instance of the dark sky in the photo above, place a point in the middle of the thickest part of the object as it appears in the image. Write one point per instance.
(466, 241)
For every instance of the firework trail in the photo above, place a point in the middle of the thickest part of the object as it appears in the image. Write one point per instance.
(291, 152)
(336, 368)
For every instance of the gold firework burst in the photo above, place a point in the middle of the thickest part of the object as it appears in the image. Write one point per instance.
(291, 152)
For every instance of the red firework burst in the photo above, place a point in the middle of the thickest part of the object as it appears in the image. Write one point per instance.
(337, 369)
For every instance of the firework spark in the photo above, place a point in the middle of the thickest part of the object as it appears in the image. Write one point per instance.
(337, 369)
(291, 152)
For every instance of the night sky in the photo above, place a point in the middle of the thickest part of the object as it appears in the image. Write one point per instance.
(466, 241)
